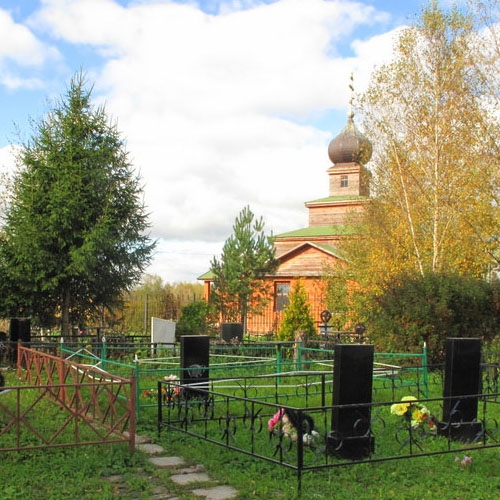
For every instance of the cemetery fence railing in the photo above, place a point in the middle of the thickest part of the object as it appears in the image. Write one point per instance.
(97, 407)
(234, 414)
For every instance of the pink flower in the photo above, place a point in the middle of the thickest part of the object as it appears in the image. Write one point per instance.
(465, 461)
(275, 419)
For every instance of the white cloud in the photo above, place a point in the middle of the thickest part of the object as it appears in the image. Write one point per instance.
(377, 50)
(215, 107)
(20, 45)
(7, 159)
(22, 49)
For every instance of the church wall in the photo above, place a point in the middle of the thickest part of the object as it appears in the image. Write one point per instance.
(310, 262)
(352, 187)
(328, 215)
(268, 322)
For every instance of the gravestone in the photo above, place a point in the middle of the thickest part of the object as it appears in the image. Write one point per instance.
(162, 331)
(232, 332)
(462, 384)
(195, 360)
(19, 331)
(351, 435)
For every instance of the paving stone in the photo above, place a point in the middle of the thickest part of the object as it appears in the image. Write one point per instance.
(138, 439)
(162, 496)
(142, 439)
(150, 448)
(167, 462)
(115, 478)
(216, 493)
(194, 477)
(193, 468)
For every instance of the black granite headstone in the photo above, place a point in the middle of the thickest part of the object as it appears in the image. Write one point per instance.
(351, 435)
(195, 361)
(462, 384)
(19, 330)
(232, 332)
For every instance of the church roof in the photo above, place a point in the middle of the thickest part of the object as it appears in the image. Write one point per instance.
(301, 247)
(335, 252)
(313, 231)
(339, 198)
(350, 146)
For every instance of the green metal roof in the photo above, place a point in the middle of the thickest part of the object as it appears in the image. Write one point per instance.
(339, 198)
(334, 251)
(209, 275)
(308, 232)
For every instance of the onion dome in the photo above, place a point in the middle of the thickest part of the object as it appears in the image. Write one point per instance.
(350, 146)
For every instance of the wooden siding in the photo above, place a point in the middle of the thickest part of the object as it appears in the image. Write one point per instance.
(308, 261)
(269, 320)
(286, 245)
(334, 214)
(358, 180)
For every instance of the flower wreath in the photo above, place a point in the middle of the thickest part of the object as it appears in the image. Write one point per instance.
(285, 423)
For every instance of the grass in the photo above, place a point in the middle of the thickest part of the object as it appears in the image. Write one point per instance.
(436, 477)
(81, 472)
(58, 473)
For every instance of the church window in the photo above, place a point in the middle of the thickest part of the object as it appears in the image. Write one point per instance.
(344, 181)
(281, 292)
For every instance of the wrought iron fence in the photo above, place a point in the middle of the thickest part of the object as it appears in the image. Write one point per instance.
(247, 416)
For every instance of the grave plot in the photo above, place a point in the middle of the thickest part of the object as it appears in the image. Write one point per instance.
(320, 419)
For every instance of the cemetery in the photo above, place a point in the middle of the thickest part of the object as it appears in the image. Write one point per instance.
(304, 408)
(321, 419)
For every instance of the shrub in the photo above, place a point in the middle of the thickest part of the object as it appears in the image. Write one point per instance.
(297, 315)
(431, 308)
(196, 319)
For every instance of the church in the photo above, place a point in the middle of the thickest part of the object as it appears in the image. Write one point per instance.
(305, 254)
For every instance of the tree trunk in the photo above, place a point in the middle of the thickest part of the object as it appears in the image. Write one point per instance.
(65, 326)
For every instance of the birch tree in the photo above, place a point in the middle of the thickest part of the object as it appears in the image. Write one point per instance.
(435, 175)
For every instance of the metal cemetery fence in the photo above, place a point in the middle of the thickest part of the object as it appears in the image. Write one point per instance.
(149, 362)
(97, 407)
(238, 414)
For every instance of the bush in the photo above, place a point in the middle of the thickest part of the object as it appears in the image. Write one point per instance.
(297, 315)
(196, 319)
(430, 309)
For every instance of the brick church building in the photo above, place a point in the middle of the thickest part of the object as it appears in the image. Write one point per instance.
(305, 253)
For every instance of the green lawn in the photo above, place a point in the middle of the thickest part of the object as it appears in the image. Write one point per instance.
(80, 473)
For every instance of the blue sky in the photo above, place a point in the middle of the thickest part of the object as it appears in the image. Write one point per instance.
(223, 103)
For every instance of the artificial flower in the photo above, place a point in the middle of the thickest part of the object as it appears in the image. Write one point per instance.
(414, 412)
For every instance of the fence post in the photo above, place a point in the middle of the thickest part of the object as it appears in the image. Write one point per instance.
(298, 354)
(18, 357)
(425, 370)
(136, 385)
(278, 361)
(132, 413)
(103, 353)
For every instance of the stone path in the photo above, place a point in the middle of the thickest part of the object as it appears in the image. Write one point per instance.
(191, 480)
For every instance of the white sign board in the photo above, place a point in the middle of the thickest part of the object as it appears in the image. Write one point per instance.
(162, 331)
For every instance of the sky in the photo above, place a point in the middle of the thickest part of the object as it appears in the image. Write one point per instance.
(222, 103)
